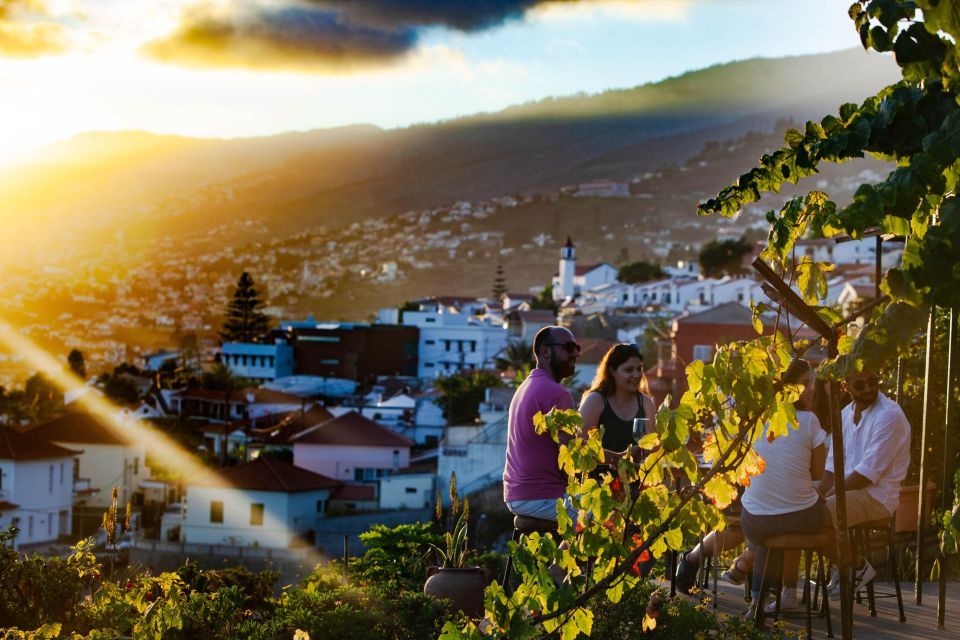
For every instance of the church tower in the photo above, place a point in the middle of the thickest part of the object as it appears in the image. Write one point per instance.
(568, 266)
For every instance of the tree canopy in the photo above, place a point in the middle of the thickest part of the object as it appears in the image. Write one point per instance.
(721, 257)
(637, 272)
(244, 320)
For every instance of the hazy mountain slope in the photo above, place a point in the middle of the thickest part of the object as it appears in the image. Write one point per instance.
(147, 185)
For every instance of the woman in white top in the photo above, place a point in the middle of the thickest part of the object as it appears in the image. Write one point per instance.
(783, 499)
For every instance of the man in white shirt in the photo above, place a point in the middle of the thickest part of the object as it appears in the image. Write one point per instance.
(876, 446)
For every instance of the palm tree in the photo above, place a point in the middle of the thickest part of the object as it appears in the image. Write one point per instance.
(516, 356)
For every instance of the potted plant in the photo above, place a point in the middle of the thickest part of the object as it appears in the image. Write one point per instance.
(452, 578)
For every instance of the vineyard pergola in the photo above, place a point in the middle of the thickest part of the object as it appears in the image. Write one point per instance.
(914, 123)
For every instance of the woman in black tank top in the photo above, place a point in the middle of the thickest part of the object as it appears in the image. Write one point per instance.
(618, 394)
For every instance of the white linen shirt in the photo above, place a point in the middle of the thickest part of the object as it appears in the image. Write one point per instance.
(878, 448)
(785, 485)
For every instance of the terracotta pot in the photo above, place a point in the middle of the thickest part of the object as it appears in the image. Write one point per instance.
(910, 505)
(463, 587)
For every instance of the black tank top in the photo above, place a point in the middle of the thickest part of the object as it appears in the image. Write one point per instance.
(617, 432)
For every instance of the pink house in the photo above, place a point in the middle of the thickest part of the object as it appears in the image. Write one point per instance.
(351, 448)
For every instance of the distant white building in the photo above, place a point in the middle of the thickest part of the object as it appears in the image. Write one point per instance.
(266, 502)
(571, 279)
(450, 342)
(863, 251)
(36, 487)
(602, 189)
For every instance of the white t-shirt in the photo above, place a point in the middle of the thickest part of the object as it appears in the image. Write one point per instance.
(878, 448)
(785, 484)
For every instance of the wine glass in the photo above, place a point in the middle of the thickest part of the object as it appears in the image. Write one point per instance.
(640, 426)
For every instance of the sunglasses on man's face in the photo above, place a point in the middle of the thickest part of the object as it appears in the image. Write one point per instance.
(569, 345)
(863, 384)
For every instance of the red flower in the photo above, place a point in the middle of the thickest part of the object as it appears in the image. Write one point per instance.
(579, 527)
(642, 558)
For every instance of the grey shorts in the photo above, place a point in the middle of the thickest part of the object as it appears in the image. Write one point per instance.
(543, 509)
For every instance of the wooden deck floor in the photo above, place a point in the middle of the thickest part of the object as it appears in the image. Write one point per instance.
(921, 620)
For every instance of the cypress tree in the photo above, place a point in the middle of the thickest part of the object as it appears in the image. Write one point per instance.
(244, 321)
(499, 283)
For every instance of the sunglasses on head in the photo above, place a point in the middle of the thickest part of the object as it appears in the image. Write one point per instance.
(864, 384)
(569, 345)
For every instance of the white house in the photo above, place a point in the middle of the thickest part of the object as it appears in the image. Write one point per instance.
(408, 489)
(36, 487)
(391, 411)
(266, 502)
(260, 362)
(450, 342)
(741, 290)
(110, 457)
(428, 422)
(571, 279)
(351, 448)
(863, 251)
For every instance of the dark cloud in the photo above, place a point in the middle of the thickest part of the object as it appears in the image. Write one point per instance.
(463, 15)
(27, 32)
(323, 35)
(296, 37)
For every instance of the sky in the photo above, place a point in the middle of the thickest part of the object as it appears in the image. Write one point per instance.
(234, 68)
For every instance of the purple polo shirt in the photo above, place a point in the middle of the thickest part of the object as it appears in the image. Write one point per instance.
(531, 471)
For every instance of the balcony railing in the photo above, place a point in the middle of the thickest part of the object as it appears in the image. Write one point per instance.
(81, 485)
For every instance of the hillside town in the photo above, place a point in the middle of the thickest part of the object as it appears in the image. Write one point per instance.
(321, 420)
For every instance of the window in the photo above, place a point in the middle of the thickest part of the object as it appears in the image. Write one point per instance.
(49, 525)
(256, 513)
(430, 342)
(76, 468)
(446, 345)
(430, 319)
(473, 345)
(396, 459)
(428, 365)
(321, 505)
(136, 466)
(702, 352)
(410, 490)
(216, 511)
(50, 480)
(61, 474)
(30, 526)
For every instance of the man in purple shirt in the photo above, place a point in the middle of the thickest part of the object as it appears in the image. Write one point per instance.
(532, 479)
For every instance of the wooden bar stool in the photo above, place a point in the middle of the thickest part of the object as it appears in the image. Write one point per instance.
(711, 565)
(807, 543)
(861, 538)
(523, 526)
